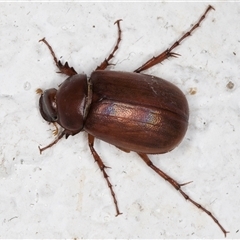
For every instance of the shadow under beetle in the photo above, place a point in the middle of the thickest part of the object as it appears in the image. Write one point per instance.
(133, 111)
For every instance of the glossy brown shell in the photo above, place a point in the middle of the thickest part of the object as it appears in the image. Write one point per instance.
(71, 101)
(137, 112)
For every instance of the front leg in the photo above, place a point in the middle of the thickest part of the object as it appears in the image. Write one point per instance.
(102, 167)
(64, 69)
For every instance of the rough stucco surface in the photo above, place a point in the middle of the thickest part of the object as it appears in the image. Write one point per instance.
(61, 193)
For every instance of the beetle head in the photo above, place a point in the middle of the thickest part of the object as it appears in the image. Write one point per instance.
(48, 106)
(67, 105)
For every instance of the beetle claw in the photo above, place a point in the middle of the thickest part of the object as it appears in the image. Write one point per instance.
(119, 20)
(118, 213)
(40, 150)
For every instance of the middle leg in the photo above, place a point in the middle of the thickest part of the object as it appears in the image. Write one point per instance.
(102, 167)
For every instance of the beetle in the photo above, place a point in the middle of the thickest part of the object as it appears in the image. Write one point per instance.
(130, 110)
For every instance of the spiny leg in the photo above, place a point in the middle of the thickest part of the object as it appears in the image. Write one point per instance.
(178, 186)
(102, 167)
(167, 53)
(64, 69)
(106, 63)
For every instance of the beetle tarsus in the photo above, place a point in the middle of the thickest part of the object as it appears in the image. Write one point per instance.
(178, 186)
(102, 167)
(168, 53)
(106, 63)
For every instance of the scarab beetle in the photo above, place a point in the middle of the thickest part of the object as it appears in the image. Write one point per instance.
(133, 111)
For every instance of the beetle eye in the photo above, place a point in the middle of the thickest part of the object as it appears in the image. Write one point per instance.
(48, 106)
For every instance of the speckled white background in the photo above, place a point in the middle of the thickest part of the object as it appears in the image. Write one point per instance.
(61, 193)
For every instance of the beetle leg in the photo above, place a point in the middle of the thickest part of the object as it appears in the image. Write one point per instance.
(168, 52)
(64, 69)
(52, 143)
(102, 167)
(178, 186)
(106, 63)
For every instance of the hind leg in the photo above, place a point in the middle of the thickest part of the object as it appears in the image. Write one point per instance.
(168, 52)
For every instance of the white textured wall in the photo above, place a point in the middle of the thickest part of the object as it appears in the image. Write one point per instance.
(61, 193)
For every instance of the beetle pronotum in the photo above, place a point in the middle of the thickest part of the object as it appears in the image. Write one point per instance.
(133, 111)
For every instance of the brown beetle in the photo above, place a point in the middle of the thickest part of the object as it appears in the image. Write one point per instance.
(133, 111)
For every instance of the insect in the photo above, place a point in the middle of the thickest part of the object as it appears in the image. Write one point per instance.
(133, 111)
